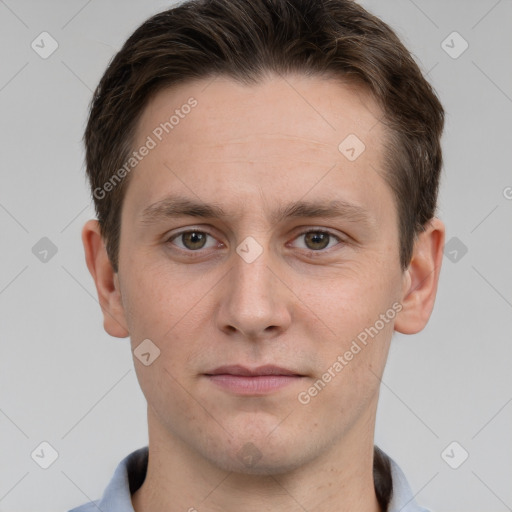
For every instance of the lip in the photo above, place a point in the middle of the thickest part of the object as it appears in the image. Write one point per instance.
(258, 381)
(236, 369)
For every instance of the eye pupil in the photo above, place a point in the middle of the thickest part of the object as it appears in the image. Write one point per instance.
(316, 237)
(193, 239)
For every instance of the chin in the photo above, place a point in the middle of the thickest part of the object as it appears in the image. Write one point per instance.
(263, 467)
(260, 458)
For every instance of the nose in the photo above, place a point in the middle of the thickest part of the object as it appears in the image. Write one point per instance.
(255, 303)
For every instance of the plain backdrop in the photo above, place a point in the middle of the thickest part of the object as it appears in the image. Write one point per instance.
(64, 381)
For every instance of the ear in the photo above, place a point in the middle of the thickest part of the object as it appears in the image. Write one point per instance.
(106, 280)
(421, 278)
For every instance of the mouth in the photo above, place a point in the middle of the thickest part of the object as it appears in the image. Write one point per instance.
(252, 381)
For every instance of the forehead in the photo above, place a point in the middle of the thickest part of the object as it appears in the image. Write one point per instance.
(296, 109)
(281, 136)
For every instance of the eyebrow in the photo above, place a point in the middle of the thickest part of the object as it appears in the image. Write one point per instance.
(178, 206)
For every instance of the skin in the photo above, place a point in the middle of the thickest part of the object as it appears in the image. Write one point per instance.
(250, 150)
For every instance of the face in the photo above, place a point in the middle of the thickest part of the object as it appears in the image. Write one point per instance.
(254, 252)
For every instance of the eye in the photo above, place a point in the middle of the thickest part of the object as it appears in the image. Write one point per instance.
(192, 240)
(317, 240)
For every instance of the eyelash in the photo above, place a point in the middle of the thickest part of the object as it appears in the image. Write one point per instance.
(310, 251)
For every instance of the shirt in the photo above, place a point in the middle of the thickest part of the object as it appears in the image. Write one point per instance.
(131, 471)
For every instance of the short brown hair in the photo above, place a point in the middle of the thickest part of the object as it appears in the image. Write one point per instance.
(244, 40)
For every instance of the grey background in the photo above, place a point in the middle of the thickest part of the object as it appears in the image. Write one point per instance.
(65, 381)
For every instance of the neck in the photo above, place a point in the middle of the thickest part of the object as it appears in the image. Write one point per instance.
(179, 479)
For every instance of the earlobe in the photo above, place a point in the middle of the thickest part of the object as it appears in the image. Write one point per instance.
(421, 279)
(105, 279)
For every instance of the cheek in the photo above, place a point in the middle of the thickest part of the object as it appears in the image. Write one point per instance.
(349, 301)
(174, 312)
(168, 380)
(349, 381)
(357, 310)
(155, 299)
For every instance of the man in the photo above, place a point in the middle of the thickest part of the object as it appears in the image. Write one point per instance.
(265, 175)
